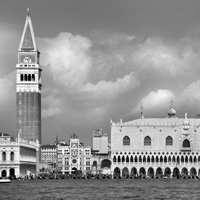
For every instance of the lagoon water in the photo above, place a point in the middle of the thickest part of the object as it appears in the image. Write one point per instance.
(105, 189)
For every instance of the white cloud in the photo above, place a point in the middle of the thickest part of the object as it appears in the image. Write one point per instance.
(67, 58)
(190, 97)
(156, 101)
(154, 55)
(50, 112)
(51, 106)
(107, 89)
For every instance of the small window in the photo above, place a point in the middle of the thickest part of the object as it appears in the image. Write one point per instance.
(4, 156)
(12, 156)
(186, 143)
(87, 162)
(33, 77)
(29, 77)
(169, 141)
(126, 141)
(147, 141)
(21, 77)
(25, 77)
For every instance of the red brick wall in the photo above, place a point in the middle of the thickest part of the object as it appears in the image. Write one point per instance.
(30, 115)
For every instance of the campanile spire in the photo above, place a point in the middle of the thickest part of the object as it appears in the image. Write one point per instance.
(28, 42)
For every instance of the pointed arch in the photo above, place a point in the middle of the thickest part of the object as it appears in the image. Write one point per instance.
(169, 159)
(176, 172)
(125, 172)
(126, 141)
(182, 159)
(178, 160)
(184, 172)
(144, 159)
(142, 171)
(140, 158)
(134, 172)
(127, 159)
(114, 159)
(152, 159)
(157, 159)
(167, 172)
(123, 159)
(117, 172)
(193, 171)
(148, 159)
(195, 159)
(159, 172)
(161, 159)
(165, 159)
(190, 159)
(136, 159)
(119, 159)
(173, 159)
(131, 159)
(150, 172)
(186, 159)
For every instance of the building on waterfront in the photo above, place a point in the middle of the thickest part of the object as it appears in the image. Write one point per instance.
(48, 158)
(28, 86)
(74, 156)
(101, 162)
(156, 146)
(21, 156)
(17, 157)
(100, 142)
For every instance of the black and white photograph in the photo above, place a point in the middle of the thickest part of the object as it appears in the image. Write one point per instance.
(100, 99)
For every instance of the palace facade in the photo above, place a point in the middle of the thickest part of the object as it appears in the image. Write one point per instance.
(156, 147)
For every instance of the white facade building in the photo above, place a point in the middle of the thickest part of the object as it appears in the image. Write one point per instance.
(74, 156)
(156, 147)
(17, 157)
(48, 157)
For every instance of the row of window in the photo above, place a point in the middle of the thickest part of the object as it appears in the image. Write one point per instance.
(147, 141)
(4, 156)
(156, 159)
(27, 77)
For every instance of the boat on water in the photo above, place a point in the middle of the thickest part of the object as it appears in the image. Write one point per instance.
(4, 180)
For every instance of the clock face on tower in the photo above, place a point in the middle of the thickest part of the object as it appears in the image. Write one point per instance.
(74, 152)
(27, 60)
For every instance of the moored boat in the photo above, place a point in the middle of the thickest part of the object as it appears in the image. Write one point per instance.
(4, 180)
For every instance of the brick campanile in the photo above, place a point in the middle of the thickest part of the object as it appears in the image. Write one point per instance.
(28, 86)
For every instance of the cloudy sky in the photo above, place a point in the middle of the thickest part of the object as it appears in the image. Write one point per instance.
(101, 59)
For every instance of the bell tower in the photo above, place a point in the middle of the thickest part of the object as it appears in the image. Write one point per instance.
(28, 86)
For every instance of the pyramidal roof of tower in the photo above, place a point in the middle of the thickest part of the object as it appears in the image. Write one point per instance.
(28, 38)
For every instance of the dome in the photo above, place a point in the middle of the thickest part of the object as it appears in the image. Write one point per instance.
(171, 112)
